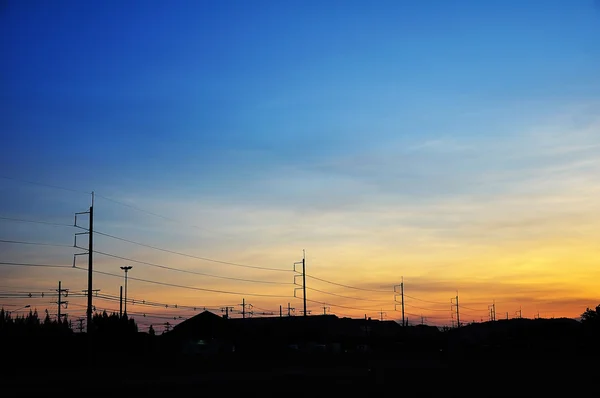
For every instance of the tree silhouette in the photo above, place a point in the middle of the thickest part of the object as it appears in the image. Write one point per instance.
(591, 316)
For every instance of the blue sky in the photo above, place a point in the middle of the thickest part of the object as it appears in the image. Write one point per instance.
(280, 125)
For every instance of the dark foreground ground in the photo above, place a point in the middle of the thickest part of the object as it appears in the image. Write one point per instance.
(436, 378)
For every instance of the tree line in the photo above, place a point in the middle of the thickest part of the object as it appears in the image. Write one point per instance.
(32, 323)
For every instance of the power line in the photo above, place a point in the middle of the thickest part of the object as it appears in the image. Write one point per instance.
(345, 306)
(44, 185)
(425, 309)
(346, 286)
(473, 309)
(347, 297)
(191, 272)
(425, 301)
(36, 222)
(135, 301)
(148, 212)
(187, 287)
(34, 265)
(33, 243)
(190, 255)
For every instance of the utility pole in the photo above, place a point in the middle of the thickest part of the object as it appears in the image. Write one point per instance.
(244, 306)
(304, 279)
(381, 315)
(519, 313)
(226, 310)
(492, 311)
(126, 269)
(80, 327)
(402, 292)
(401, 295)
(280, 311)
(422, 320)
(290, 309)
(89, 253)
(120, 301)
(455, 305)
(303, 274)
(325, 309)
(59, 301)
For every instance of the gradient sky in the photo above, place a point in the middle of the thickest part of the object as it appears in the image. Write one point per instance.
(455, 144)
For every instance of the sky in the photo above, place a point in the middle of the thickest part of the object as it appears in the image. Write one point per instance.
(454, 146)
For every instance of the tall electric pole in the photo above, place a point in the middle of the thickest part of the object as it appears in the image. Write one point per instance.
(304, 279)
(120, 301)
(455, 304)
(381, 315)
(244, 306)
(492, 310)
(401, 294)
(89, 253)
(325, 309)
(60, 303)
(303, 274)
(90, 266)
(290, 309)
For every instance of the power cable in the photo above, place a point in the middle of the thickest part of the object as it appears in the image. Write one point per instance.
(37, 222)
(20, 242)
(190, 255)
(34, 265)
(44, 185)
(186, 287)
(347, 286)
(347, 297)
(191, 272)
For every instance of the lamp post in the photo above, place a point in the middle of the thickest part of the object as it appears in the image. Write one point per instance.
(126, 269)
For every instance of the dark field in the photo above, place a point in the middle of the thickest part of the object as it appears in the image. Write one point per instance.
(420, 377)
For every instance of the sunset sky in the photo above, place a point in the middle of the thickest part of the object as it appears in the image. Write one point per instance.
(452, 144)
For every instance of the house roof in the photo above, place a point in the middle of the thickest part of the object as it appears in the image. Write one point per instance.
(201, 325)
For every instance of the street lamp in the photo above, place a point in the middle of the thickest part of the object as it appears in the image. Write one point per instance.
(126, 269)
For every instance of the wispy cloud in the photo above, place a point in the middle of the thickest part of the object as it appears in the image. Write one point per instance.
(503, 218)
